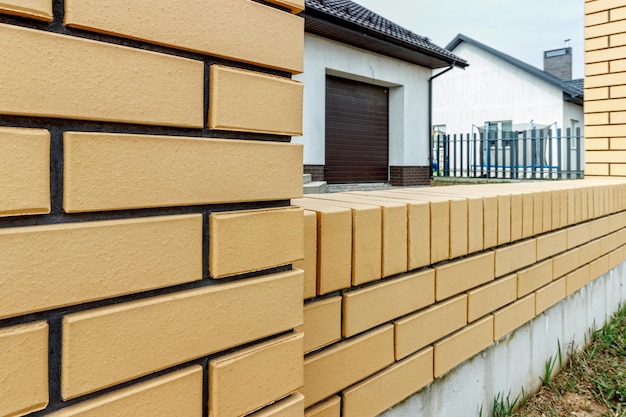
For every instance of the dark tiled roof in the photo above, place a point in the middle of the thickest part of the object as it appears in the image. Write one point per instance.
(353, 16)
(577, 85)
(573, 90)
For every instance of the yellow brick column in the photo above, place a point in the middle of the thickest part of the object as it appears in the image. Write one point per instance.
(147, 239)
(605, 88)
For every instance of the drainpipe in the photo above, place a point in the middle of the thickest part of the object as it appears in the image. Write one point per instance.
(430, 116)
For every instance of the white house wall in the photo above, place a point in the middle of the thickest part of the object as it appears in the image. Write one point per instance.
(491, 89)
(408, 101)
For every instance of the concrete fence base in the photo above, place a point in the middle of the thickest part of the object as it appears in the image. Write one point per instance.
(519, 360)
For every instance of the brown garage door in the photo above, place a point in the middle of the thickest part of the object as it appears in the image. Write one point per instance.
(357, 132)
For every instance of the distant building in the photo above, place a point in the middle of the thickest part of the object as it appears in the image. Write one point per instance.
(499, 94)
(505, 92)
(366, 96)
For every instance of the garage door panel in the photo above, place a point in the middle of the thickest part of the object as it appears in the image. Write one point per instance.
(357, 132)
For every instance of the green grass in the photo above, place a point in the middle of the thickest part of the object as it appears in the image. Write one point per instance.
(592, 382)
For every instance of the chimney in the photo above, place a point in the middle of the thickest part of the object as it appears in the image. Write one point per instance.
(558, 62)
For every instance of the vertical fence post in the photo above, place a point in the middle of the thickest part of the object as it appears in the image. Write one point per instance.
(579, 152)
(568, 151)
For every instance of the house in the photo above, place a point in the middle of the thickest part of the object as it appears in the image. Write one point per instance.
(500, 96)
(366, 96)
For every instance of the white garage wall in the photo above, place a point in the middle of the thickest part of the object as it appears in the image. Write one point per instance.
(408, 101)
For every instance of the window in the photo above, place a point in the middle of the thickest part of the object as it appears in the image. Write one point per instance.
(500, 130)
(573, 135)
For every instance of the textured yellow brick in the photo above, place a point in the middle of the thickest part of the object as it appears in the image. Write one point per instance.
(292, 406)
(537, 213)
(398, 230)
(617, 144)
(24, 171)
(106, 346)
(534, 277)
(331, 370)
(600, 227)
(596, 119)
(618, 169)
(604, 29)
(594, 44)
(617, 221)
(606, 131)
(618, 13)
(618, 117)
(459, 216)
(599, 267)
(516, 256)
(599, 5)
(241, 30)
(367, 225)
(528, 221)
(252, 378)
(617, 50)
(440, 221)
(561, 216)
(252, 240)
(547, 211)
(608, 243)
(389, 387)
(475, 215)
(517, 219)
(596, 169)
(368, 307)
(590, 252)
(135, 171)
(253, 102)
(566, 262)
(456, 277)
(329, 408)
(549, 295)
(490, 297)
(616, 257)
(334, 246)
(23, 369)
(618, 91)
(44, 267)
(577, 279)
(96, 81)
(322, 323)
(616, 40)
(414, 332)
(578, 235)
(309, 263)
(462, 345)
(176, 394)
(35, 9)
(490, 210)
(504, 219)
(513, 316)
(614, 104)
(597, 93)
(597, 18)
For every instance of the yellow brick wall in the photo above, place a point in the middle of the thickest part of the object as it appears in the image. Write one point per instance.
(545, 241)
(605, 88)
(147, 241)
(157, 254)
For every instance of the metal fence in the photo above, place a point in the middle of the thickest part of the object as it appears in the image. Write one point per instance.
(535, 154)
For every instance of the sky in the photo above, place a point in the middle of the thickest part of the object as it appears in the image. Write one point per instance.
(523, 29)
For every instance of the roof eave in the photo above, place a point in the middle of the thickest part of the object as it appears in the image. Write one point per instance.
(569, 94)
(330, 27)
